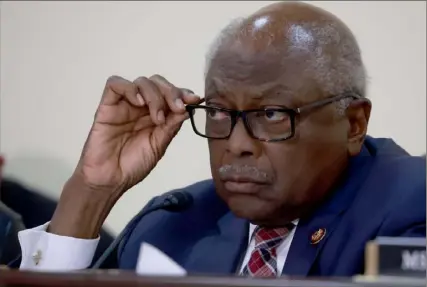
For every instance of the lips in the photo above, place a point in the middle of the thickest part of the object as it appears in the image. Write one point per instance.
(242, 187)
(243, 184)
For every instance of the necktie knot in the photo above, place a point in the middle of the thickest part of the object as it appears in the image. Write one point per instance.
(270, 238)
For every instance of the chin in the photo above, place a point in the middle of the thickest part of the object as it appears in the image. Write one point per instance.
(249, 207)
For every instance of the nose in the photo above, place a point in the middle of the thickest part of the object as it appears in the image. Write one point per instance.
(241, 144)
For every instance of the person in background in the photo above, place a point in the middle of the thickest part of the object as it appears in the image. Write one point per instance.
(10, 224)
(22, 207)
(297, 188)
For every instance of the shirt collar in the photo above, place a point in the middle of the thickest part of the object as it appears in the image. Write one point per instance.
(252, 228)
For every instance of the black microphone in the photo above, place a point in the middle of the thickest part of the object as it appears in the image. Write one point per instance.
(176, 201)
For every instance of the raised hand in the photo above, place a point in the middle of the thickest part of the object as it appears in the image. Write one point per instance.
(134, 124)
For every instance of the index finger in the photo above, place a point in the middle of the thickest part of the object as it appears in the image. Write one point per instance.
(174, 96)
(118, 88)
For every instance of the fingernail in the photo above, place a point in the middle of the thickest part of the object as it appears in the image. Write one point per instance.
(188, 91)
(161, 116)
(140, 99)
(179, 104)
(191, 93)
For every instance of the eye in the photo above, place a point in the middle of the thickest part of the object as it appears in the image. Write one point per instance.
(216, 115)
(274, 116)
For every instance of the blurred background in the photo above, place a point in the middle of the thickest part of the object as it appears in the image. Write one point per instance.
(56, 56)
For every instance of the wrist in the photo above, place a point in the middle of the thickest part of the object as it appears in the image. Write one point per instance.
(81, 210)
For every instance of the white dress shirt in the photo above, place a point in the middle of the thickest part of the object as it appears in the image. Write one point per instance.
(45, 251)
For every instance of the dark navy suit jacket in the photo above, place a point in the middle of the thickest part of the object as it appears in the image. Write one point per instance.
(384, 195)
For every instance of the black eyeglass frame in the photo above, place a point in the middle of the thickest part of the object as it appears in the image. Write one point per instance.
(236, 114)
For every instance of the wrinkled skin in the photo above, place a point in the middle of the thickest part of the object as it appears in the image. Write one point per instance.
(256, 70)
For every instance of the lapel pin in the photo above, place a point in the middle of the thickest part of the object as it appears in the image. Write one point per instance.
(318, 235)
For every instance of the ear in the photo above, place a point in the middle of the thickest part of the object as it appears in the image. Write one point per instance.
(358, 113)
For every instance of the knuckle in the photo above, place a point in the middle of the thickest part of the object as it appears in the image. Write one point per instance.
(157, 77)
(167, 89)
(161, 81)
(174, 92)
(151, 100)
(114, 79)
(141, 80)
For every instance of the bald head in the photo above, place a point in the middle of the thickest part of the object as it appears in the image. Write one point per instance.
(271, 86)
(301, 35)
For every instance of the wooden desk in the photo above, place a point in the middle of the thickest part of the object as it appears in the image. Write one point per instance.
(9, 278)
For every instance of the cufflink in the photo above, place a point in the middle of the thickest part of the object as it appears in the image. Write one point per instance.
(37, 257)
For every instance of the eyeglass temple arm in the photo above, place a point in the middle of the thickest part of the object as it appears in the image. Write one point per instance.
(326, 101)
(201, 101)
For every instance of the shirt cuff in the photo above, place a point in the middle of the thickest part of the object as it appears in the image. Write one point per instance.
(45, 251)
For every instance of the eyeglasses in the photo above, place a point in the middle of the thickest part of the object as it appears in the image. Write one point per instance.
(269, 125)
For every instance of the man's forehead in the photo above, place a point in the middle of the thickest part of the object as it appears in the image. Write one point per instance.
(260, 58)
(241, 63)
(264, 35)
(259, 73)
(235, 92)
(221, 86)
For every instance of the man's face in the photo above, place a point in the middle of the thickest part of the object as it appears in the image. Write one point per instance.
(290, 175)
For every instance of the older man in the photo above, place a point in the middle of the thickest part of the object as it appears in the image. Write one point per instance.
(298, 188)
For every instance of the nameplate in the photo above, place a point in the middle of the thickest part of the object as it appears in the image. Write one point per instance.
(396, 257)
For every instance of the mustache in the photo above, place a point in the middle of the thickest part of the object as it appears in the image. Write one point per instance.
(244, 173)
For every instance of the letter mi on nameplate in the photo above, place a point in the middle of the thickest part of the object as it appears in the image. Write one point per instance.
(396, 256)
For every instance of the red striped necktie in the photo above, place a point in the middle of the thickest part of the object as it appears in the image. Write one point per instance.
(263, 260)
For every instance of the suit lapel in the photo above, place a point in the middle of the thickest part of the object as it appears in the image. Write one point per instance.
(303, 251)
(220, 252)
